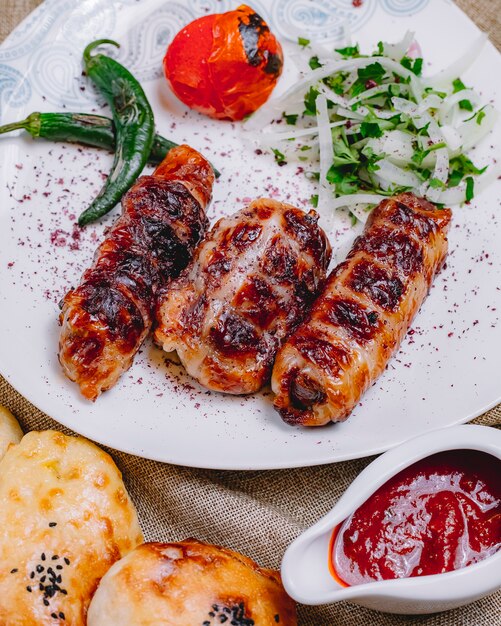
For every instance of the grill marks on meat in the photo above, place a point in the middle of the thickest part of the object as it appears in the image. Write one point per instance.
(380, 285)
(166, 219)
(360, 322)
(363, 313)
(249, 285)
(107, 317)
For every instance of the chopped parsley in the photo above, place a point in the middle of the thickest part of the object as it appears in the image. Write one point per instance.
(480, 116)
(435, 183)
(370, 129)
(372, 158)
(310, 107)
(336, 82)
(344, 181)
(343, 153)
(466, 105)
(290, 119)
(314, 63)
(470, 188)
(460, 167)
(368, 76)
(414, 65)
(279, 156)
(420, 154)
(430, 91)
(390, 131)
(457, 85)
(349, 52)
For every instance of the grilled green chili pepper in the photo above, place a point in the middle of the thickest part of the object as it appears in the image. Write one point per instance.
(85, 128)
(134, 126)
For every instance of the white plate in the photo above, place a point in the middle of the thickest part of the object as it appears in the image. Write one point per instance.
(447, 370)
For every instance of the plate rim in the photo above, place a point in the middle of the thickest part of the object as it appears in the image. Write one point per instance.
(236, 467)
(39, 402)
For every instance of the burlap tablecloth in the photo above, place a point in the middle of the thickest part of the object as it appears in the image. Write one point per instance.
(256, 513)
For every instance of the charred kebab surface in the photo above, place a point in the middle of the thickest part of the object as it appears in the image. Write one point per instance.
(363, 314)
(251, 282)
(107, 317)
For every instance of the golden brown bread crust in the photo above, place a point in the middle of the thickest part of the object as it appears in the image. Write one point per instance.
(65, 518)
(363, 313)
(10, 431)
(190, 584)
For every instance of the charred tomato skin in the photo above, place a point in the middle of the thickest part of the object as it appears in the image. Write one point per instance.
(224, 65)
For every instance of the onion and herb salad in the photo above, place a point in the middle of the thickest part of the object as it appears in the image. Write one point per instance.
(372, 126)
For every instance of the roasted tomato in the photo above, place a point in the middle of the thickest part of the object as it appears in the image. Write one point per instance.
(224, 65)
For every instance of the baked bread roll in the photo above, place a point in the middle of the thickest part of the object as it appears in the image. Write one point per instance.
(65, 518)
(10, 431)
(190, 584)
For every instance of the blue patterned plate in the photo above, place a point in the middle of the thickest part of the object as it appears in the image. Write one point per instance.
(448, 368)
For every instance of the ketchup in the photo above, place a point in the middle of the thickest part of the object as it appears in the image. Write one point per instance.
(440, 514)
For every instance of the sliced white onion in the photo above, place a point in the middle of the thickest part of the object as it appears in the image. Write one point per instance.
(414, 82)
(345, 106)
(441, 169)
(430, 102)
(349, 114)
(361, 211)
(390, 174)
(349, 80)
(445, 77)
(353, 130)
(274, 108)
(374, 91)
(398, 50)
(414, 51)
(457, 195)
(333, 96)
(440, 115)
(313, 77)
(440, 172)
(421, 119)
(453, 139)
(271, 137)
(415, 110)
(396, 145)
(357, 203)
(472, 133)
(326, 160)
(452, 100)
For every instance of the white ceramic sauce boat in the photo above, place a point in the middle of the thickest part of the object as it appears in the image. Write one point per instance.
(305, 566)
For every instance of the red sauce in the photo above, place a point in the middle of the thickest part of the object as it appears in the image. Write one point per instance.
(440, 514)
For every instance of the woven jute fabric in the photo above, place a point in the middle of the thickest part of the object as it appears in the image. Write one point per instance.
(256, 513)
